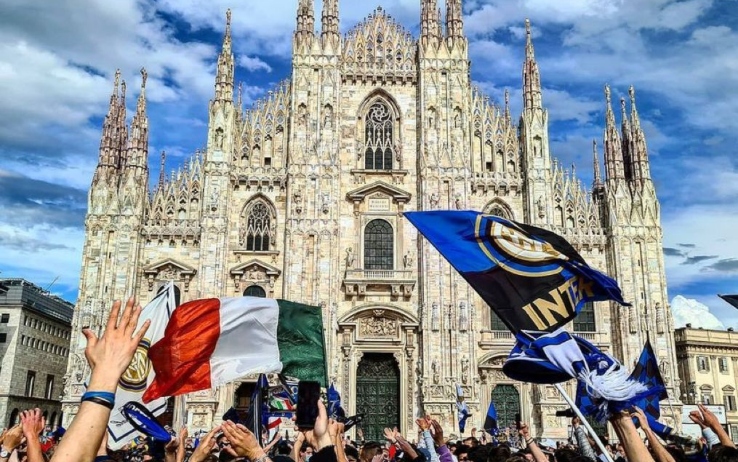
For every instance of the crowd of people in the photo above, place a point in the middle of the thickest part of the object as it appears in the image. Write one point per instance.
(110, 354)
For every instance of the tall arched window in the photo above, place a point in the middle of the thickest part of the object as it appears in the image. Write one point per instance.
(496, 322)
(585, 320)
(379, 137)
(254, 291)
(378, 246)
(256, 234)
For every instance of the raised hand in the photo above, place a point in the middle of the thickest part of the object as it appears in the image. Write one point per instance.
(319, 437)
(33, 423)
(406, 447)
(13, 438)
(524, 431)
(390, 435)
(207, 444)
(243, 441)
(437, 432)
(708, 417)
(696, 417)
(423, 424)
(110, 355)
(641, 417)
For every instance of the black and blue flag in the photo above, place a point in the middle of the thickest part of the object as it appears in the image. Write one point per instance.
(490, 422)
(531, 278)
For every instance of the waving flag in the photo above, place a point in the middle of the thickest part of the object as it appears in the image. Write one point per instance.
(531, 278)
(463, 409)
(213, 341)
(139, 374)
(732, 299)
(335, 411)
(490, 422)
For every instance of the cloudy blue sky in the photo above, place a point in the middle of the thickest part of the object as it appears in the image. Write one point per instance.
(57, 61)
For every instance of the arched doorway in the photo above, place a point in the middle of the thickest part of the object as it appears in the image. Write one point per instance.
(13, 418)
(507, 402)
(254, 291)
(378, 394)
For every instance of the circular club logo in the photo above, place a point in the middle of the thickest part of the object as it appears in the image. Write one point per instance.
(515, 251)
(135, 378)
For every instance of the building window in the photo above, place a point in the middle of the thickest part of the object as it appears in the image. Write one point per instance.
(379, 136)
(729, 401)
(48, 393)
(706, 398)
(3, 337)
(734, 433)
(723, 364)
(703, 364)
(497, 323)
(30, 382)
(4, 318)
(585, 320)
(378, 246)
(257, 231)
(254, 291)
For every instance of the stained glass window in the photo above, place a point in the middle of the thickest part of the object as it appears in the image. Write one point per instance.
(257, 228)
(378, 246)
(379, 137)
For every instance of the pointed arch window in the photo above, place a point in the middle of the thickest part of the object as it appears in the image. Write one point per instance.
(257, 231)
(379, 246)
(379, 137)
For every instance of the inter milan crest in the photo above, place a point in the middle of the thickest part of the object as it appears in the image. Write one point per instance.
(135, 378)
(509, 246)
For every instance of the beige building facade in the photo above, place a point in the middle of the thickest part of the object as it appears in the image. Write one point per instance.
(35, 330)
(301, 197)
(707, 364)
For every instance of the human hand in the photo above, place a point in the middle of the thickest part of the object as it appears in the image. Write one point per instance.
(33, 423)
(114, 349)
(335, 429)
(437, 432)
(524, 431)
(423, 424)
(13, 438)
(390, 435)
(182, 450)
(207, 444)
(319, 437)
(641, 417)
(709, 418)
(243, 441)
(406, 447)
(360, 433)
(378, 457)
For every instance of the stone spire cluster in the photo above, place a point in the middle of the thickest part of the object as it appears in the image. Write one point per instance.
(120, 153)
(431, 30)
(330, 23)
(305, 29)
(532, 98)
(454, 21)
(626, 153)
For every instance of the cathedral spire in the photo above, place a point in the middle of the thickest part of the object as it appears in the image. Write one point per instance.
(454, 21)
(532, 98)
(109, 154)
(330, 22)
(508, 119)
(305, 29)
(429, 22)
(627, 140)
(597, 185)
(224, 76)
(122, 127)
(639, 154)
(138, 146)
(162, 171)
(613, 147)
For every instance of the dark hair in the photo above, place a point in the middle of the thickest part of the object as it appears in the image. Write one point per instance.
(479, 453)
(499, 454)
(677, 453)
(283, 449)
(351, 451)
(723, 454)
(369, 450)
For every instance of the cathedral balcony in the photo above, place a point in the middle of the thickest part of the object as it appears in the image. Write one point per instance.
(491, 339)
(360, 282)
(498, 183)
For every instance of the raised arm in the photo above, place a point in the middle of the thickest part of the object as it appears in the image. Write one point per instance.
(109, 356)
(635, 450)
(659, 451)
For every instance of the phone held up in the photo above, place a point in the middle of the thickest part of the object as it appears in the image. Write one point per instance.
(308, 394)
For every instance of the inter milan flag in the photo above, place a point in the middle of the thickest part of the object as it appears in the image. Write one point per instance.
(732, 299)
(532, 278)
(490, 422)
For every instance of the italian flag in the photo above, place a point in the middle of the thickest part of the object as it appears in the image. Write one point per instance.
(213, 341)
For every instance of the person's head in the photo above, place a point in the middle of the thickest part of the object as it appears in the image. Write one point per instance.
(677, 453)
(517, 458)
(462, 453)
(352, 455)
(499, 453)
(471, 442)
(306, 452)
(283, 448)
(222, 441)
(369, 450)
(723, 454)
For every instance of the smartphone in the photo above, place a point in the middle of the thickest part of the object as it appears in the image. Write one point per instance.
(517, 421)
(308, 394)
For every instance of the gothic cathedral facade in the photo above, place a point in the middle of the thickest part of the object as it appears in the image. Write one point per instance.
(301, 197)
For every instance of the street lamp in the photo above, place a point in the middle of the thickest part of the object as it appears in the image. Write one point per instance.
(693, 392)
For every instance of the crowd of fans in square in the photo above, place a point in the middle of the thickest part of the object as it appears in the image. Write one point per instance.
(111, 353)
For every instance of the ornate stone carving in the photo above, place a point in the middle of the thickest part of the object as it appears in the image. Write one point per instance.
(435, 317)
(464, 371)
(407, 260)
(436, 374)
(378, 326)
(434, 199)
(463, 316)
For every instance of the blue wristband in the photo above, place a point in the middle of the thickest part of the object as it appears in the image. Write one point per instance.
(102, 459)
(105, 395)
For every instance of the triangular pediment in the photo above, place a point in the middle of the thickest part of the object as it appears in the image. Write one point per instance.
(397, 194)
(181, 268)
(256, 265)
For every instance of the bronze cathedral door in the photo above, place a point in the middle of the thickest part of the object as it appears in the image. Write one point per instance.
(378, 394)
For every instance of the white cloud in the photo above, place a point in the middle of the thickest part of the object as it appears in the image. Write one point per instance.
(253, 63)
(690, 311)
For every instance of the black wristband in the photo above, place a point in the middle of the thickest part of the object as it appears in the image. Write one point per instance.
(100, 401)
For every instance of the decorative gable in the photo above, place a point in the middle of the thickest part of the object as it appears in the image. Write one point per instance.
(254, 272)
(169, 270)
(378, 197)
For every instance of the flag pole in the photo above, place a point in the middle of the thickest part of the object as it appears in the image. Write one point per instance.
(579, 414)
